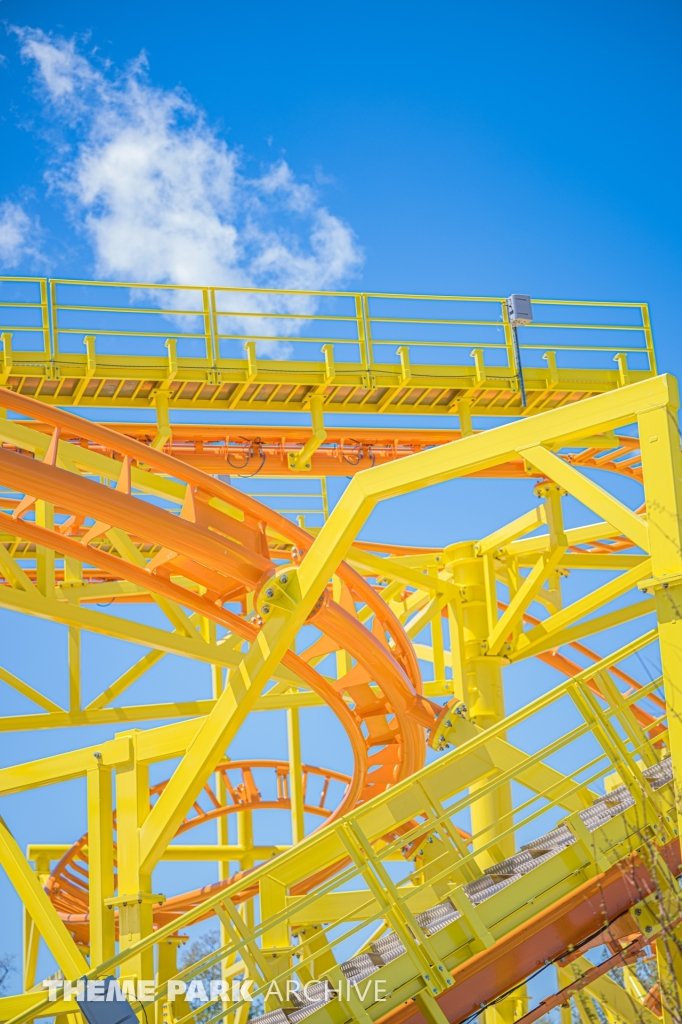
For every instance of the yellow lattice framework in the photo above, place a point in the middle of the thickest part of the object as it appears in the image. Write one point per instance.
(525, 837)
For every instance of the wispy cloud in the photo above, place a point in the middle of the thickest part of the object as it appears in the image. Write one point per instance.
(18, 235)
(162, 198)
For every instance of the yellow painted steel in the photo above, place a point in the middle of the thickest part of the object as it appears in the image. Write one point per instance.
(421, 848)
(232, 348)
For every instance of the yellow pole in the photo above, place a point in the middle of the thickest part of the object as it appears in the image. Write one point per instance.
(73, 574)
(167, 968)
(45, 556)
(295, 775)
(208, 628)
(135, 913)
(669, 965)
(101, 864)
(484, 696)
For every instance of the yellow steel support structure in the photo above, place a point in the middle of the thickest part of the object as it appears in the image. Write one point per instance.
(532, 835)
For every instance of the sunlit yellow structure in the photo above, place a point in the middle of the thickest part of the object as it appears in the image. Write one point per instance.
(469, 846)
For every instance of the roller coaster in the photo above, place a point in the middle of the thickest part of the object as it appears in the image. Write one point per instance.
(468, 847)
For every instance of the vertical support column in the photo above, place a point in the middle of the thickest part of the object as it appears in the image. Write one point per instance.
(669, 965)
(662, 465)
(246, 859)
(73, 577)
(275, 942)
(167, 968)
(437, 644)
(295, 775)
(457, 651)
(45, 556)
(101, 865)
(245, 838)
(208, 629)
(222, 838)
(135, 917)
(74, 645)
(490, 815)
(247, 909)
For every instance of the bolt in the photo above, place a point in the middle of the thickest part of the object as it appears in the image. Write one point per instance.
(638, 911)
(269, 592)
(648, 929)
(97, 755)
(448, 725)
(284, 580)
(265, 610)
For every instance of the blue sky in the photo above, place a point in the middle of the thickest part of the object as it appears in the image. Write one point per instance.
(448, 148)
(476, 149)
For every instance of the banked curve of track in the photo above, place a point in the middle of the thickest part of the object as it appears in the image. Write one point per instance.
(227, 559)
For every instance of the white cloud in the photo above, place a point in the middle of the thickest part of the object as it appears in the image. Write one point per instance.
(17, 234)
(62, 68)
(163, 199)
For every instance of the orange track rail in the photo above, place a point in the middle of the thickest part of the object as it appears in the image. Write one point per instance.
(250, 451)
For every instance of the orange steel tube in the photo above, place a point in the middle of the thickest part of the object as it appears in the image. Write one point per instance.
(234, 450)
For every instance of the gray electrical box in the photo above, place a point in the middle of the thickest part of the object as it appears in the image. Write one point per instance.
(520, 309)
(104, 1003)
